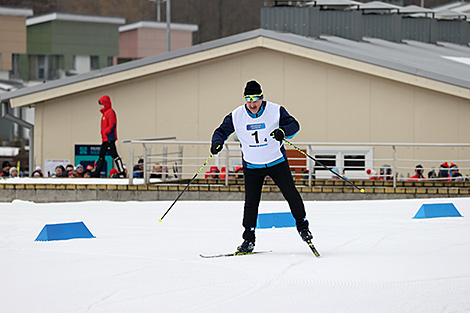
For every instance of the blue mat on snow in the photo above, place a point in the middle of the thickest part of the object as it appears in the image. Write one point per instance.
(269, 220)
(64, 231)
(437, 210)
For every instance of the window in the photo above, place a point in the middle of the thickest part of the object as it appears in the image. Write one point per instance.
(15, 72)
(327, 160)
(350, 161)
(40, 66)
(44, 67)
(354, 162)
(94, 62)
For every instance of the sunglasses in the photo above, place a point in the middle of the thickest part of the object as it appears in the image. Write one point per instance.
(253, 98)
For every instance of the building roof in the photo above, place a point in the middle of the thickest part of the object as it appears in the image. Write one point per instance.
(333, 3)
(414, 9)
(377, 5)
(443, 67)
(451, 14)
(158, 25)
(460, 6)
(15, 11)
(74, 18)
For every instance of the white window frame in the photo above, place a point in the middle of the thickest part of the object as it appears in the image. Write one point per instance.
(339, 153)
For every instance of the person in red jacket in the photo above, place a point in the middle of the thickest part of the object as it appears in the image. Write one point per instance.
(419, 173)
(108, 136)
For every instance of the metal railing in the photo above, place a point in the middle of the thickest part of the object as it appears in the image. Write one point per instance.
(168, 160)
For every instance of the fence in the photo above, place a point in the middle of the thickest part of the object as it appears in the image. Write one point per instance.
(168, 160)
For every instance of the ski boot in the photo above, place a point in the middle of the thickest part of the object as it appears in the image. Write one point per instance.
(306, 235)
(246, 247)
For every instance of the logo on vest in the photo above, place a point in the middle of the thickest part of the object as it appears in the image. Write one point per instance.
(255, 126)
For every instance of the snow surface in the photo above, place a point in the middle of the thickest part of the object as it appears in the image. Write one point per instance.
(375, 258)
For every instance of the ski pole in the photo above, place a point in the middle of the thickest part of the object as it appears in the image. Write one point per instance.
(324, 166)
(194, 177)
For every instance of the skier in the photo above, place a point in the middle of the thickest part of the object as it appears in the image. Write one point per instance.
(261, 127)
(108, 136)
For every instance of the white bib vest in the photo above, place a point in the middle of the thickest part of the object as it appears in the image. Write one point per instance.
(254, 133)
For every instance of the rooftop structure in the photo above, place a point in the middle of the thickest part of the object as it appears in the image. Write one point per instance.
(62, 42)
(145, 38)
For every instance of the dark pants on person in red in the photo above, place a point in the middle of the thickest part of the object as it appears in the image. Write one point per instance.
(105, 147)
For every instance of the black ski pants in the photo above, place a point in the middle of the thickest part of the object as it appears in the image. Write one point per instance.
(282, 177)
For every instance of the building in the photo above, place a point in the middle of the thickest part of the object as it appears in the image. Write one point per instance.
(12, 37)
(12, 45)
(340, 91)
(144, 39)
(356, 21)
(61, 44)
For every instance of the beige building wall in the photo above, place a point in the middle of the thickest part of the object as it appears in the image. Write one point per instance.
(12, 39)
(332, 104)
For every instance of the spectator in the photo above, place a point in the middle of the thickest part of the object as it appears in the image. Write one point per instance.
(5, 169)
(212, 173)
(39, 170)
(336, 170)
(432, 174)
(113, 173)
(69, 168)
(89, 168)
(73, 174)
(223, 172)
(139, 169)
(418, 173)
(60, 171)
(239, 172)
(157, 172)
(79, 169)
(87, 174)
(37, 174)
(231, 175)
(13, 172)
(372, 174)
(386, 173)
(443, 170)
(455, 174)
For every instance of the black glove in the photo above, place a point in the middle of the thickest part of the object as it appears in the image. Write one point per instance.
(216, 148)
(278, 134)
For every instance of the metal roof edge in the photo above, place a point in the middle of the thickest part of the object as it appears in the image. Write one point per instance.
(74, 18)
(8, 11)
(158, 25)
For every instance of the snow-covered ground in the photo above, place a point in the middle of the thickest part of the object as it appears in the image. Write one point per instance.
(375, 258)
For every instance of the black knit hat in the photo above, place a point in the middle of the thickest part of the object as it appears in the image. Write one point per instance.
(252, 88)
(5, 164)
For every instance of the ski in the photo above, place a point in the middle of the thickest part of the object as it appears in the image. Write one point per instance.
(312, 247)
(223, 255)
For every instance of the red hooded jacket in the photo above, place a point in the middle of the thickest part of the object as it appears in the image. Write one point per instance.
(108, 121)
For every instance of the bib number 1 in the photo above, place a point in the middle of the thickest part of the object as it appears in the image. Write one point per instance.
(255, 134)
